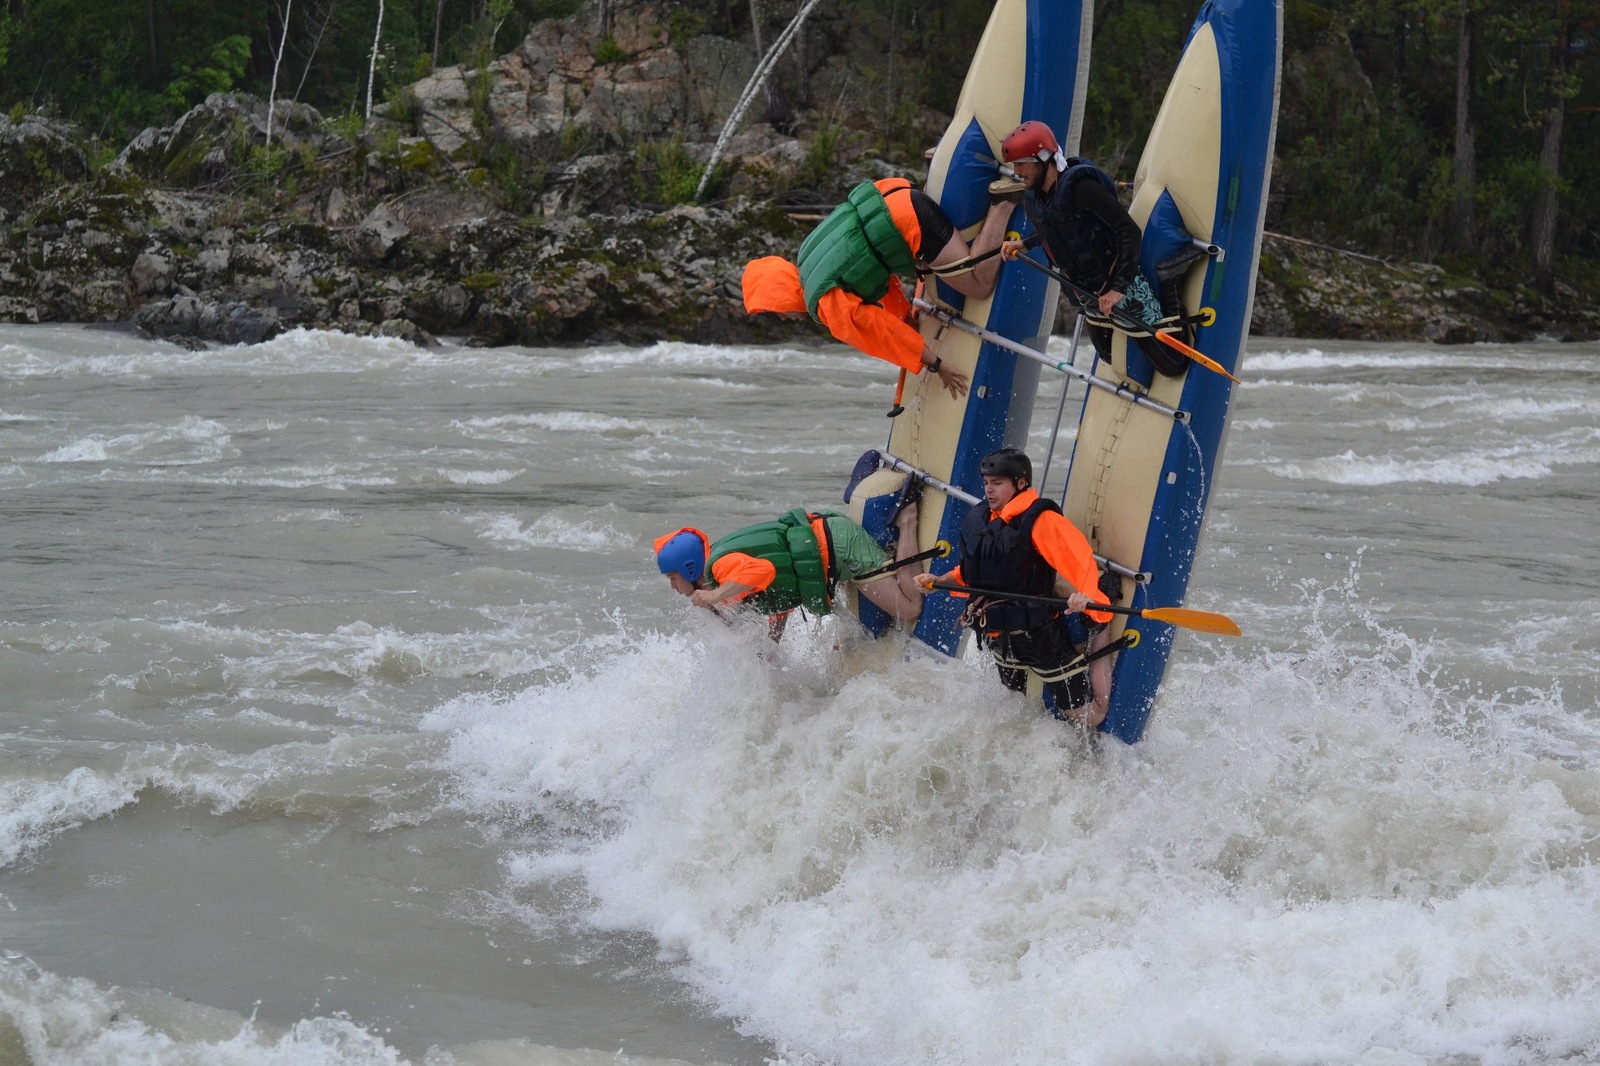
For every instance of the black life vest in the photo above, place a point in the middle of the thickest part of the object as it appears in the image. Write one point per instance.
(1079, 242)
(999, 554)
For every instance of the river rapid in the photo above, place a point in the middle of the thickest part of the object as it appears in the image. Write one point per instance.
(344, 719)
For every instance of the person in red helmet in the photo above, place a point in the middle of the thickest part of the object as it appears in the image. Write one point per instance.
(1088, 235)
(848, 271)
(796, 560)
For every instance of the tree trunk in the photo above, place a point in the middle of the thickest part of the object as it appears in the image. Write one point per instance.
(316, 43)
(762, 72)
(798, 53)
(1545, 201)
(277, 62)
(372, 65)
(150, 22)
(438, 21)
(1464, 171)
(1399, 31)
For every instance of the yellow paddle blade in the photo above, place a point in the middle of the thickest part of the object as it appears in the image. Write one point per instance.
(1206, 361)
(1187, 618)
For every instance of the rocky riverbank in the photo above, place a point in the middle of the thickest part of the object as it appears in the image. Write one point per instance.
(499, 205)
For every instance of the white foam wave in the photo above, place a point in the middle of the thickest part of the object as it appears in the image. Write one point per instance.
(1451, 412)
(54, 1021)
(321, 475)
(198, 440)
(510, 427)
(1316, 855)
(34, 811)
(67, 353)
(476, 477)
(318, 667)
(1498, 357)
(1472, 469)
(734, 386)
(679, 354)
(547, 531)
(82, 451)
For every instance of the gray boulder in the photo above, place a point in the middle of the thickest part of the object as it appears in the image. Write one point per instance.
(379, 233)
(190, 318)
(37, 155)
(215, 137)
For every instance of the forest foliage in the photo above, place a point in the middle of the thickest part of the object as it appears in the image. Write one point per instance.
(1456, 131)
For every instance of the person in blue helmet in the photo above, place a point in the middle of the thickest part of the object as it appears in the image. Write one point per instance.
(796, 560)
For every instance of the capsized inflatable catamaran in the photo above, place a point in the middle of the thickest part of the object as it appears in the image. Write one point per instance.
(1147, 447)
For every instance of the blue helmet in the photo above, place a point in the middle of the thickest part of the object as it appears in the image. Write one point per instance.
(683, 553)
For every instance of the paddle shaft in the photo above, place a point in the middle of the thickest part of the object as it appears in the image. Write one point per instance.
(938, 551)
(896, 463)
(1086, 300)
(1138, 399)
(1183, 617)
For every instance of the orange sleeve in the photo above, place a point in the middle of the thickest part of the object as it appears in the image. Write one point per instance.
(1068, 552)
(746, 570)
(871, 328)
(894, 301)
(954, 577)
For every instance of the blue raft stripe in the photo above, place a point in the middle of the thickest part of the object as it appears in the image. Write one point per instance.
(1058, 42)
(966, 184)
(1248, 40)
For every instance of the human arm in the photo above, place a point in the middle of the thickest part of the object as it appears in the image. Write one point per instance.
(1069, 554)
(1017, 246)
(950, 577)
(879, 331)
(1101, 202)
(737, 575)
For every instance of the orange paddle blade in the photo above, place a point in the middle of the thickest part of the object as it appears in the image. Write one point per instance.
(1206, 361)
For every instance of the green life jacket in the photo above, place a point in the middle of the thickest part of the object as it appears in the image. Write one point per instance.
(789, 545)
(857, 248)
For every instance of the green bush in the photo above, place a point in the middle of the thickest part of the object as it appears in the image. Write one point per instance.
(228, 60)
(667, 174)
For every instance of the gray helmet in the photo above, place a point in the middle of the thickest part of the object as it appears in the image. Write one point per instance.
(1007, 462)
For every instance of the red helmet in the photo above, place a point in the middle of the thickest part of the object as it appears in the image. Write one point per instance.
(1032, 141)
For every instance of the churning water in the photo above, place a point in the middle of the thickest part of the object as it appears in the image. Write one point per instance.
(344, 719)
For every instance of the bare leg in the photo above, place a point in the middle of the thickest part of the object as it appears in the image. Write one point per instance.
(980, 281)
(906, 546)
(1099, 683)
(900, 597)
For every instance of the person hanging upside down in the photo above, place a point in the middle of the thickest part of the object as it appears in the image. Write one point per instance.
(793, 561)
(1017, 541)
(846, 276)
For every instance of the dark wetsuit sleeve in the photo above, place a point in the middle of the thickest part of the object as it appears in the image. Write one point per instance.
(1100, 201)
(936, 226)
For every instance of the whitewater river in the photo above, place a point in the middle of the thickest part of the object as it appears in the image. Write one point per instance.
(344, 719)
